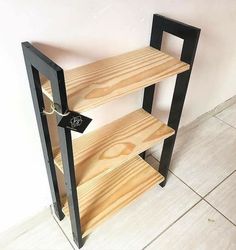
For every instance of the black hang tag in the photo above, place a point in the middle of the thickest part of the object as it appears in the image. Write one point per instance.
(75, 122)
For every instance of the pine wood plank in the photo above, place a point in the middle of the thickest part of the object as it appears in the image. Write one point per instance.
(99, 82)
(101, 197)
(113, 144)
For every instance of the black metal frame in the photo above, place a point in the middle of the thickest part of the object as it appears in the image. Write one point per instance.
(190, 35)
(37, 63)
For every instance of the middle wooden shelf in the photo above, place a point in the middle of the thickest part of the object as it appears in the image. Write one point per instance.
(107, 147)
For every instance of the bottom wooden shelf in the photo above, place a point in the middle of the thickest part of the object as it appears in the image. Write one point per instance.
(104, 195)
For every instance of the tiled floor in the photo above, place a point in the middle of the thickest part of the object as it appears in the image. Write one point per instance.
(196, 209)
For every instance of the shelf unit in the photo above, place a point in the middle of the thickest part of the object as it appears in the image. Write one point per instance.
(105, 170)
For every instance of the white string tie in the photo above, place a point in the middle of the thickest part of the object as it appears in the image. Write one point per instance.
(53, 110)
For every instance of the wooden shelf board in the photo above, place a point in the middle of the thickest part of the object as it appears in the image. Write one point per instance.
(97, 83)
(101, 197)
(99, 151)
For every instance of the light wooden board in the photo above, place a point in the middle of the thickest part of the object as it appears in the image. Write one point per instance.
(133, 227)
(101, 197)
(99, 82)
(113, 144)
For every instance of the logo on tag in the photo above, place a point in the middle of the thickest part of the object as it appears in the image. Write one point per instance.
(75, 122)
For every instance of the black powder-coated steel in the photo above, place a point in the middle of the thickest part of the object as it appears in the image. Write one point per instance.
(190, 35)
(37, 63)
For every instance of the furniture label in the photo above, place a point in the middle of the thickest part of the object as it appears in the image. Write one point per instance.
(75, 121)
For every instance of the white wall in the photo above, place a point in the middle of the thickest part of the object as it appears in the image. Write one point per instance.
(76, 32)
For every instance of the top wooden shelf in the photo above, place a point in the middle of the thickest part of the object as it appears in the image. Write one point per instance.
(97, 83)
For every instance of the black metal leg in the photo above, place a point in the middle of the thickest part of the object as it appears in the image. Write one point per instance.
(177, 104)
(190, 35)
(59, 97)
(155, 41)
(70, 182)
(147, 104)
(38, 102)
(37, 62)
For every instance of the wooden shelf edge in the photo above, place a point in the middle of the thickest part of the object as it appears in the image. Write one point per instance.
(108, 147)
(102, 197)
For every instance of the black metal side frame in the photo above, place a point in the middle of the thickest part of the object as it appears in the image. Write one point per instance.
(37, 63)
(190, 35)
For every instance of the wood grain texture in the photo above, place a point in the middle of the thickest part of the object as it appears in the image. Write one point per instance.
(115, 143)
(101, 197)
(99, 82)
(138, 223)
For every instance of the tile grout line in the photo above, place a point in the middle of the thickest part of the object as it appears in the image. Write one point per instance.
(223, 106)
(154, 239)
(186, 184)
(220, 212)
(61, 228)
(181, 180)
(224, 121)
(203, 197)
(219, 184)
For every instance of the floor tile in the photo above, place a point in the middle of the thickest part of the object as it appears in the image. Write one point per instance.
(202, 228)
(38, 233)
(205, 155)
(138, 223)
(228, 115)
(223, 198)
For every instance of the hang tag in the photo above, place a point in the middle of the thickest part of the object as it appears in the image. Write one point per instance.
(75, 122)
